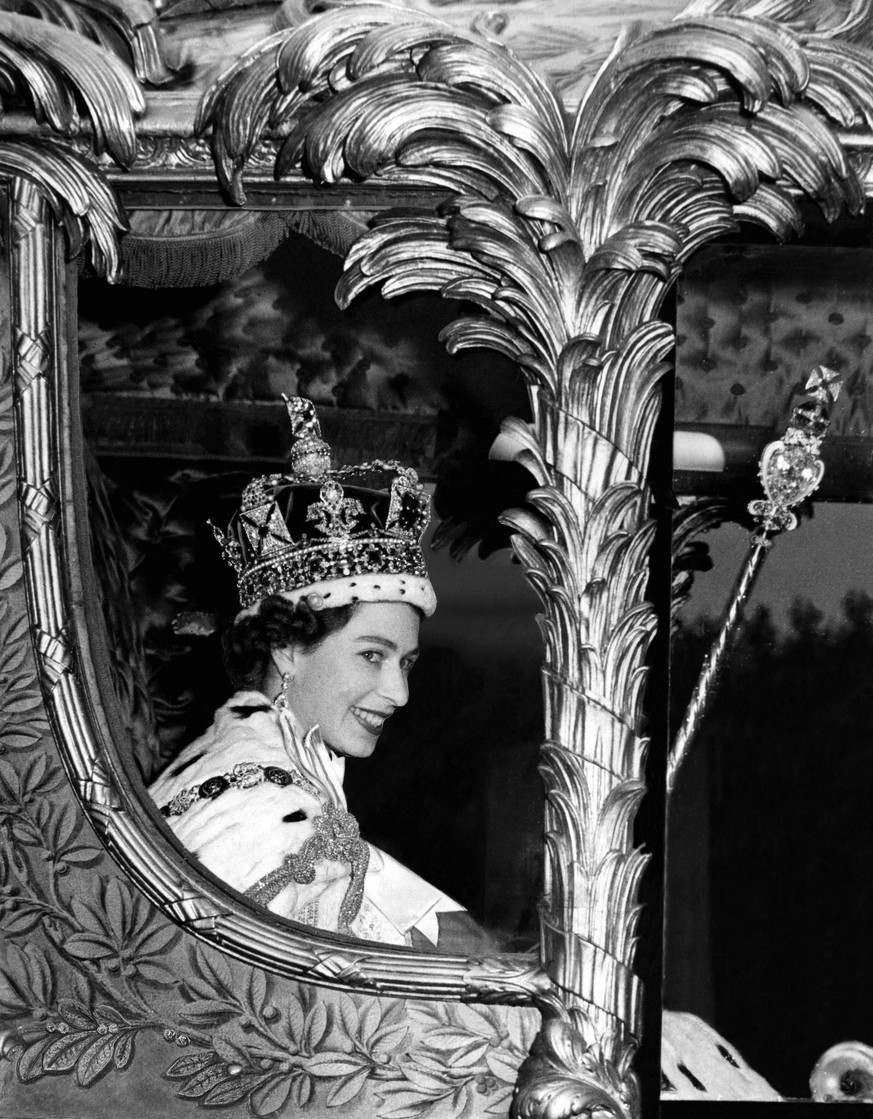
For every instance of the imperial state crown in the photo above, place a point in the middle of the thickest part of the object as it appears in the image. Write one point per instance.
(331, 536)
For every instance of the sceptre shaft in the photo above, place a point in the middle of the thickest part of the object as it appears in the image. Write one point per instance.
(790, 470)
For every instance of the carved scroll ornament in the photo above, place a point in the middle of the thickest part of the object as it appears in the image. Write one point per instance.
(566, 234)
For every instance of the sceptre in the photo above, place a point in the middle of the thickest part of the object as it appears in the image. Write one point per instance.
(790, 470)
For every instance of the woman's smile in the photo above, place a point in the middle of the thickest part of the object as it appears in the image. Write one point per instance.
(370, 719)
(357, 677)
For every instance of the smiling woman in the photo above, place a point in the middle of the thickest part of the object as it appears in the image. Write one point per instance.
(353, 680)
(334, 588)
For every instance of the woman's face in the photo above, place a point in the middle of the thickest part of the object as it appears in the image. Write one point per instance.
(353, 681)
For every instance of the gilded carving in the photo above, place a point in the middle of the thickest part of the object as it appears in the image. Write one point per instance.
(94, 983)
(52, 66)
(128, 27)
(570, 1071)
(170, 153)
(566, 235)
(55, 69)
(22, 719)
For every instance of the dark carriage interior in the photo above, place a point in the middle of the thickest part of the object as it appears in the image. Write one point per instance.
(181, 398)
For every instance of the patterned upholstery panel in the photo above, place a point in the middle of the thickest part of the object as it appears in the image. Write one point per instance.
(275, 329)
(255, 337)
(752, 322)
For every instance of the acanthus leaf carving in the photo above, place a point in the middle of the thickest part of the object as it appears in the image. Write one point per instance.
(56, 68)
(571, 1071)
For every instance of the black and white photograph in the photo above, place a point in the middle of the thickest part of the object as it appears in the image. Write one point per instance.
(436, 601)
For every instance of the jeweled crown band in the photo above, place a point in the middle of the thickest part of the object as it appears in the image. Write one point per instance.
(300, 571)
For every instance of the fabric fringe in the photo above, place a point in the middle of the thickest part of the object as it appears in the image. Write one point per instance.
(213, 255)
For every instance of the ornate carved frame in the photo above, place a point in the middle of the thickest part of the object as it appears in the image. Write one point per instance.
(566, 233)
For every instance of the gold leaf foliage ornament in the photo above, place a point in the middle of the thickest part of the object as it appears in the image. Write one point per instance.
(566, 1074)
(78, 195)
(53, 66)
(566, 234)
(57, 70)
(129, 28)
(849, 21)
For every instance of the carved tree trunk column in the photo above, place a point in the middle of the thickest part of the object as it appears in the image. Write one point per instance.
(587, 556)
(593, 754)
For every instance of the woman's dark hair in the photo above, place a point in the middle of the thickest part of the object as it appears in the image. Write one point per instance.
(249, 641)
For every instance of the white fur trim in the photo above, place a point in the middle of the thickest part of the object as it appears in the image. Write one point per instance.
(414, 589)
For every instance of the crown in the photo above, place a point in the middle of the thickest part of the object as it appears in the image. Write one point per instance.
(331, 536)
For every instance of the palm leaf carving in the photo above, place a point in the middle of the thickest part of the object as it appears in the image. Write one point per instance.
(566, 235)
(58, 70)
(80, 199)
(66, 77)
(128, 28)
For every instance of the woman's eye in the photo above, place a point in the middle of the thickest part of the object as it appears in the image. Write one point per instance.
(373, 656)
(409, 665)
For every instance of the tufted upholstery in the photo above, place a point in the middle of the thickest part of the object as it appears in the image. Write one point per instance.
(752, 322)
(261, 334)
